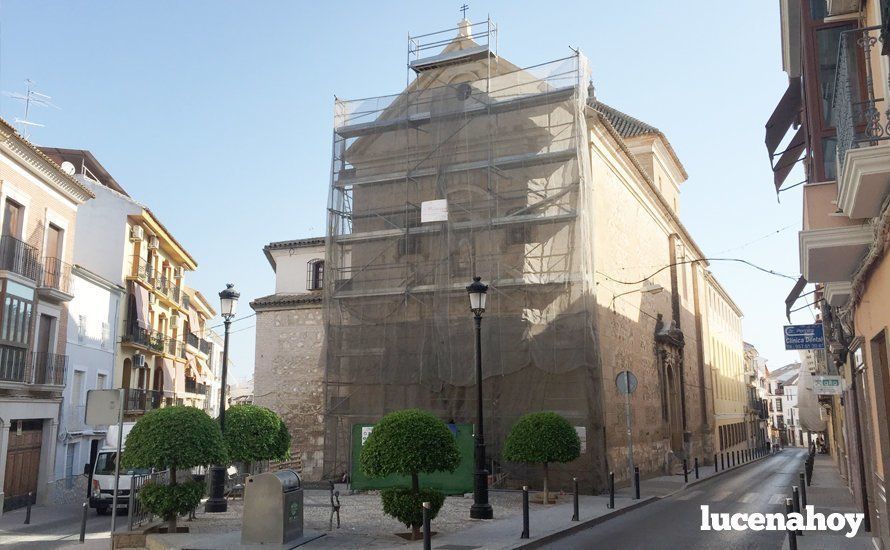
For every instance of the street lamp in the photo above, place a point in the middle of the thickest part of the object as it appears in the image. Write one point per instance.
(481, 508)
(228, 303)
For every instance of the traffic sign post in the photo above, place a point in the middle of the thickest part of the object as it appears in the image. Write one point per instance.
(626, 383)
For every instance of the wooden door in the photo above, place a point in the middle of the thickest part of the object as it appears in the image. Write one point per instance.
(12, 217)
(43, 360)
(22, 463)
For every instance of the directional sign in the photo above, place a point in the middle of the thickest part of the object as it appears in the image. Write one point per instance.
(804, 337)
(626, 382)
(828, 385)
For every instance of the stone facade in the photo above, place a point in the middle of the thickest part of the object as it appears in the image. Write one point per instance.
(289, 369)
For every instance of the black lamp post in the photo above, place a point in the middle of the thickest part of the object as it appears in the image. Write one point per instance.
(228, 300)
(481, 508)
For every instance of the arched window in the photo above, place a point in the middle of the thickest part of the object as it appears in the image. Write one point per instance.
(315, 274)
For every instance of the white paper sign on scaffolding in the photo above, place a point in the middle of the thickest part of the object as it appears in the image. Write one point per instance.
(434, 211)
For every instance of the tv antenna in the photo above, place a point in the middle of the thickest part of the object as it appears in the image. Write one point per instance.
(30, 98)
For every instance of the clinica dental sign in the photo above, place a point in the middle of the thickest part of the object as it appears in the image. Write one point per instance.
(794, 521)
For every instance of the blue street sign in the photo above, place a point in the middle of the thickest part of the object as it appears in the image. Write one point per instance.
(804, 337)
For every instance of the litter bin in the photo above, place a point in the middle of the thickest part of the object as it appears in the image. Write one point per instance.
(273, 508)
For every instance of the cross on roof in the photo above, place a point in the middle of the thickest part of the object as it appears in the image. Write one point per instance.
(464, 9)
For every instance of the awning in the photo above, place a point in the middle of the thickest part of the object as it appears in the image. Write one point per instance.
(141, 295)
(794, 295)
(169, 369)
(194, 322)
(787, 112)
(179, 379)
(789, 157)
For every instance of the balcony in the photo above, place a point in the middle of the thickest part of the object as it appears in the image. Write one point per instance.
(19, 257)
(863, 135)
(38, 368)
(142, 337)
(176, 348)
(193, 386)
(55, 280)
(204, 346)
(837, 294)
(164, 286)
(140, 400)
(831, 244)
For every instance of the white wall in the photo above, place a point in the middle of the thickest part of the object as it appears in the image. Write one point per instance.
(100, 241)
(92, 332)
(291, 268)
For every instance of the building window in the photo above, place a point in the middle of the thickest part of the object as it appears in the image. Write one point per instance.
(100, 381)
(77, 388)
(17, 309)
(315, 274)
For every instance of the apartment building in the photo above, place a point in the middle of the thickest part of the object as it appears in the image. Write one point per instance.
(92, 336)
(38, 212)
(162, 352)
(724, 354)
(833, 121)
(778, 413)
(756, 381)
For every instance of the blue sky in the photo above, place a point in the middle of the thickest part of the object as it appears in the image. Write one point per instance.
(218, 114)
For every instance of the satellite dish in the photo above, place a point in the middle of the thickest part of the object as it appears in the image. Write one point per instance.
(68, 168)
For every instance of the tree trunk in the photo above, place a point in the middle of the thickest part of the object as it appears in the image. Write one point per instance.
(546, 491)
(171, 519)
(415, 488)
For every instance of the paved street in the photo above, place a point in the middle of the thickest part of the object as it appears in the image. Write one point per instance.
(55, 527)
(674, 521)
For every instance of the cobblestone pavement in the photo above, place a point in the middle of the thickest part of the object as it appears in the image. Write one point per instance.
(363, 523)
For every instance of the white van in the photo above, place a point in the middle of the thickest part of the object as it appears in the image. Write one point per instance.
(102, 471)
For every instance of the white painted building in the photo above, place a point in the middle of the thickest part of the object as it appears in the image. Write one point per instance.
(92, 332)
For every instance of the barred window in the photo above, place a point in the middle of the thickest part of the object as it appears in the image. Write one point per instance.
(315, 274)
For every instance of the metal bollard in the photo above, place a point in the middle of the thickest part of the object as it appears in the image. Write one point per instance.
(792, 536)
(715, 463)
(636, 483)
(524, 534)
(28, 511)
(427, 544)
(83, 523)
(803, 492)
(575, 515)
(795, 502)
(611, 490)
(685, 472)
(696, 467)
(722, 464)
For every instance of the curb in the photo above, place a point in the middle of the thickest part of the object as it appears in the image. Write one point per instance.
(537, 543)
(718, 474)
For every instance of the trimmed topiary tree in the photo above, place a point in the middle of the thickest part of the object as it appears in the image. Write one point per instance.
(542, 438)
(255, 433)
(174, 438)
(409, 443)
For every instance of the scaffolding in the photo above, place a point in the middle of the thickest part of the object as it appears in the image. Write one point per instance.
(476, 168)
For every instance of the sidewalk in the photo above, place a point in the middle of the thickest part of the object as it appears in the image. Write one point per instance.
(55, 527)
(829, 494)
(546, 523)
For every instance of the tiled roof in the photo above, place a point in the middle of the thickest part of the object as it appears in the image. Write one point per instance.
(297, 243)
(626, 125)
(285, 300)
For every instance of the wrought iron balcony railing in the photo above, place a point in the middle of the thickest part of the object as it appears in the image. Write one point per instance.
(56, 274)
(19, 257)
(143, 337)
(205, 346)
(167, 286)
(138, 399)
(857, 116)
(20, 365)
(49, 368)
